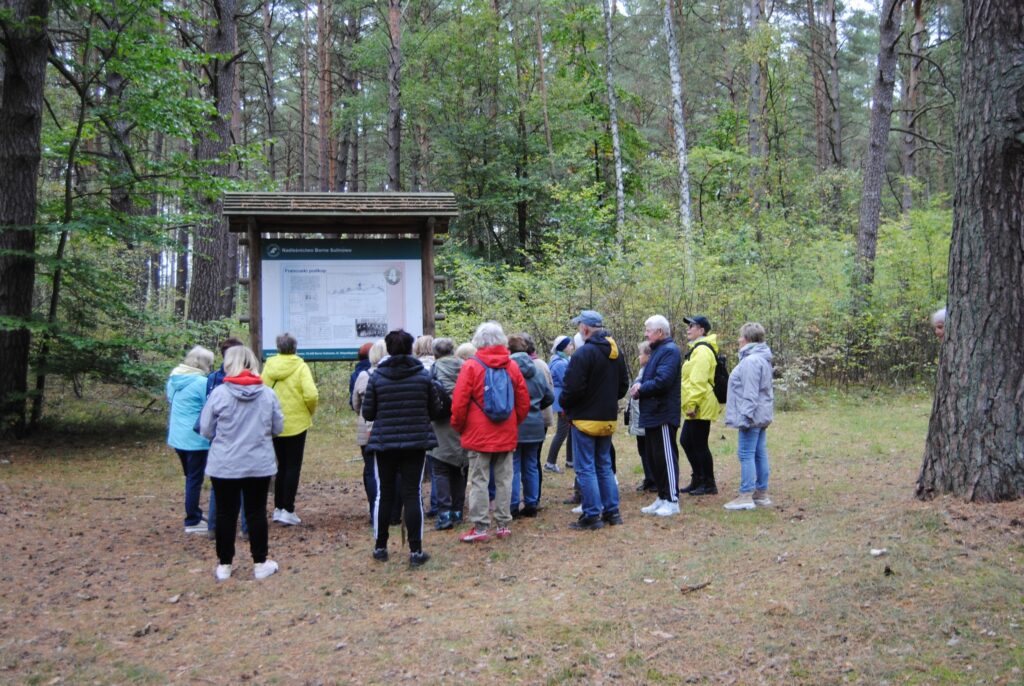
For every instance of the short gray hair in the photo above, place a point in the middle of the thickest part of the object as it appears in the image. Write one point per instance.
(938, 316)
(753, 332)
(465, 351)
(424, 345)
(286, 344)
(658, 323)
(378, 351)
(443, 347)
(644, 348)
(489, 333)
(238, 359)
(200, 358)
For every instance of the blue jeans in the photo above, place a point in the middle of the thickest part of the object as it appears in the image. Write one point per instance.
(592, 459)
(753, 454)
(526, 471)
(193, 464)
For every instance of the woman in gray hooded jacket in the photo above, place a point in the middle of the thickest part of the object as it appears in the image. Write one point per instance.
(750, 407)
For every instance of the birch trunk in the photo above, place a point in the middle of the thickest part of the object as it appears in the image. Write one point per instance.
(613, 116)
(685, 222)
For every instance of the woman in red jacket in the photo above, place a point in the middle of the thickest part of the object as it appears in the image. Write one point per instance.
(488, 441)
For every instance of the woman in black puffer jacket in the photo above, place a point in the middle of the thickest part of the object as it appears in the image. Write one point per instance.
(400, 400)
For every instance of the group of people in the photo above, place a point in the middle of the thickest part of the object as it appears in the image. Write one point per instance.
(472, 419)
(241, 427)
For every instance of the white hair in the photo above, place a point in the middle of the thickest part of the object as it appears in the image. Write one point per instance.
(489, 333)
(239, 358)
(658, 322)
(378, 351)
(200, 358)
(939, 316)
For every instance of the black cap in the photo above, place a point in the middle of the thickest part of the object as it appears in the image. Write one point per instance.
(700, 320)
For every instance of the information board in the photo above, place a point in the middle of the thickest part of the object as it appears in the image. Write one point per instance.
(335, 295)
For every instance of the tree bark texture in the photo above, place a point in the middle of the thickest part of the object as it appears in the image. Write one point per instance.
(215, 253)
(685, 221)
(325, 101)
(816, 58)
(25, 49)
(269, 90)
(835, 130)
(975, 445)
(756, 105)
(911, 98)
(394, 121)
(878, 143)
(613, 119)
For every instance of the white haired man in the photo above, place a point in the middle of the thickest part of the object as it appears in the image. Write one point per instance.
(939, 323)
(660, 402)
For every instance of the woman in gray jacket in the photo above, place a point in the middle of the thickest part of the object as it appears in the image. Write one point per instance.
(240, 418)
(750, 408)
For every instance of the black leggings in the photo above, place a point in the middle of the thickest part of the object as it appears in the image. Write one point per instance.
(289, 451)
(694, 439)
(229, 494)
(409, 464)
(561, 434)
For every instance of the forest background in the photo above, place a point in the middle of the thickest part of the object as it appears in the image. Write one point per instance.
(632, 157)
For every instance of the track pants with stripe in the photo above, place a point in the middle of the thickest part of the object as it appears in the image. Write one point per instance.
(663, 459)
(386, 465)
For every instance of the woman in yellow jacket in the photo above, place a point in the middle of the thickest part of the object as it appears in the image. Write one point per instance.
(292, 381)
(700, 406)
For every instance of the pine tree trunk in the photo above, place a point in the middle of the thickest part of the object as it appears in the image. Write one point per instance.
(816, 60)
(835, 130)
(394, 121)
(269, 90)
(878, 143)
(25, 46)
(756, 102)
(326, 93)
(685, 222)
(909, 114)
(613, 117)
(975, 445)
(543, 82)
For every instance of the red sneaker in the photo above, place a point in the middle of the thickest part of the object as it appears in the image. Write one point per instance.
(474, 535)
(503, 532)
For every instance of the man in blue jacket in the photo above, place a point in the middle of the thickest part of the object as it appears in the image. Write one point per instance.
(595, 380)
(659, 394)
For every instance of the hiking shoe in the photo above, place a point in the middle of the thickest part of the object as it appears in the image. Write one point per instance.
(261, 570)
(705, 489)
(223, 572)
(418, 559)
(474, 535)
(528, 511)
(503, 532)
(443, 521)
(690, 486)
(289, 518)
(653, 506)
(745, 501)
(667, 509)
(199, 528)
(552, 467)
(585, 523)
(516, 513)
(612, 518)
(578, 509)
(380, 554)
(761, 499)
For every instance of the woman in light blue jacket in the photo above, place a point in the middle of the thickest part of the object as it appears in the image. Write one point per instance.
(186, 394)
(750, 407)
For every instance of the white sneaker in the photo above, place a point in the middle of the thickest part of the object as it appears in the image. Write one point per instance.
(652, 507)
(745, 501)
(261, 570)
(667, 509)
(223, 572)
(289, 518)
(761, 499)
(199, 528)
(578, 509)
(277, 514)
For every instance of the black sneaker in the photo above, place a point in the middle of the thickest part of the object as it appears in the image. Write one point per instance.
(528, 511)
(585, 523)
(516, 513)
(704, 489)
(612, 518)
(380, 554)
(692, 485)
(418, 559)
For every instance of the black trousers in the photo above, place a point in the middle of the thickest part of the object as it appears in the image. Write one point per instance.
(451, 486)
(289, 450)
(370, 486)
(408, 464)
(641, 447)
(229, 494)
(694, 439)
(561, 435)
(663, 459)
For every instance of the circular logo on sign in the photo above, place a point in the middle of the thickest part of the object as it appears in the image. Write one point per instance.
(393, 276)
(273, 250)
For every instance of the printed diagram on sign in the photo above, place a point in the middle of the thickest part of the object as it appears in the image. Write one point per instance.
(337, 302)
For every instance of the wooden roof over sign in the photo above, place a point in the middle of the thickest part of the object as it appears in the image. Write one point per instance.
(340, 212)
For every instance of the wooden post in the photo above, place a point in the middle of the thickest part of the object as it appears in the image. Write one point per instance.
(255, 289)
(427, 258)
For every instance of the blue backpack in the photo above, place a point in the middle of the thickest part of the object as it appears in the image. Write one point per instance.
(499, 396)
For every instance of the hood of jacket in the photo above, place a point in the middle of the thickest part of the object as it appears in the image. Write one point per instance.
(280, 367)
(182, 379)
(606, 343)
(244, 393)
(711, 339)
(496, 356)
(447, 369)
(759, 349)
(186, 370)
(399, 367)
(526, 365)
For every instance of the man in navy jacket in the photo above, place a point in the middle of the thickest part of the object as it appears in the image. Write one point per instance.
(659, 394)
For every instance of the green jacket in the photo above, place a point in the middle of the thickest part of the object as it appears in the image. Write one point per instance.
(698, 379)
(292, 381)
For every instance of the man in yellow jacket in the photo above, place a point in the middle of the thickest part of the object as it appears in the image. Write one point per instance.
(289, 376)
(700, 406)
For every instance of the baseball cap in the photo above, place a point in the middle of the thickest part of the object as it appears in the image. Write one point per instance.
(700, 320)
(589, 317)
